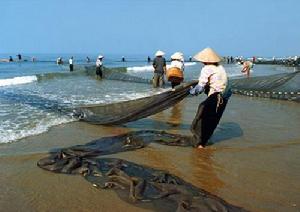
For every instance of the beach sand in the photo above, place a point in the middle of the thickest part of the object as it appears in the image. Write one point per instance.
(253, 163)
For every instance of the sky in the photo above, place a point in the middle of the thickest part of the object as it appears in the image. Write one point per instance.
(231, 27)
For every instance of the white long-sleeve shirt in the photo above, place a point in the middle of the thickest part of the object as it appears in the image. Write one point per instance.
(217, 77)
(98, 63)
(177, 64)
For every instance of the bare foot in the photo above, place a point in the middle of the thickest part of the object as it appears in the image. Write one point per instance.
(200, 147)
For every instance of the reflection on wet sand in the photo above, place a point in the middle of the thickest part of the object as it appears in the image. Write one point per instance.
(204, 169)
(175, 118)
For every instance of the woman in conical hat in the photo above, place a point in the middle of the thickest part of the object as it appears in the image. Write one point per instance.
(175, 70)
(213, 81)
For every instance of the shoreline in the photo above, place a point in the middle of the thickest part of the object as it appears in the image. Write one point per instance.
(251, 164)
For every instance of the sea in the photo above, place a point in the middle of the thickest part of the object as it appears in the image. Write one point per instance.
(34, 96)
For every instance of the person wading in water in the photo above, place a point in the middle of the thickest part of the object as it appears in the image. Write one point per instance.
(99, 67)
(159, 65)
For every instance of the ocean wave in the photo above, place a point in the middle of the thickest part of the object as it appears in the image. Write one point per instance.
(148, 68)
(10, 135)
(18, 80)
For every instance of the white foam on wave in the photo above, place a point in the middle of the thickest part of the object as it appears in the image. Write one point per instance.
(17, 80)
(10, 135)
(190, 63)
(136, 69)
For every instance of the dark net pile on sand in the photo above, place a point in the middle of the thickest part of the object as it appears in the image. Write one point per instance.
(142, 186)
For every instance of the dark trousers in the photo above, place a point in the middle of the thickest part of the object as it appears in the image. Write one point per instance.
(99, 71)
(207, 118)
(71, 67)
(175, 84)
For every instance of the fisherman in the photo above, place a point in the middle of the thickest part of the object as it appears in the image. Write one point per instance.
(123, 59)
(296, 60)
(99, 67)
(190, 58)
(247, 66)
(59, 61)
(176, 69)
(149, 59)
(19, 57)
(71, 64)
(88, 59)
(212, 81)
(10, 59)
(159, 65)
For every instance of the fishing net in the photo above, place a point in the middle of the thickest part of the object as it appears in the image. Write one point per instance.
(139, 185)
(280, 86)
(127, 111)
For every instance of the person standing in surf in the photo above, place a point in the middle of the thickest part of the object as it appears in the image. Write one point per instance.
(19, 57)
(176, 69)
(159, 65)
(247, 66)
(71, 65)
(212, 81)
(99, 67)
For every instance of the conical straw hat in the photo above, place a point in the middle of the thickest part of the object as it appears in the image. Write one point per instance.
(177, 56)
(159, 53)
(208, 55)
(100, 56)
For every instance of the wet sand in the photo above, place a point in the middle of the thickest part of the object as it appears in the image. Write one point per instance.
(253, 161)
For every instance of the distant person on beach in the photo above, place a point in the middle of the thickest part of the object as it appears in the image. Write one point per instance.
(149, 59)
(10, 59)
(190, 58)
(296, 60)
(33, 59)
(59, 61)
(99, 67)
(159, 65)
(123, 59)
(19, 57)
(71, 64)
(213, 82)
(247, 65)
(176, 69)
(88, 59)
